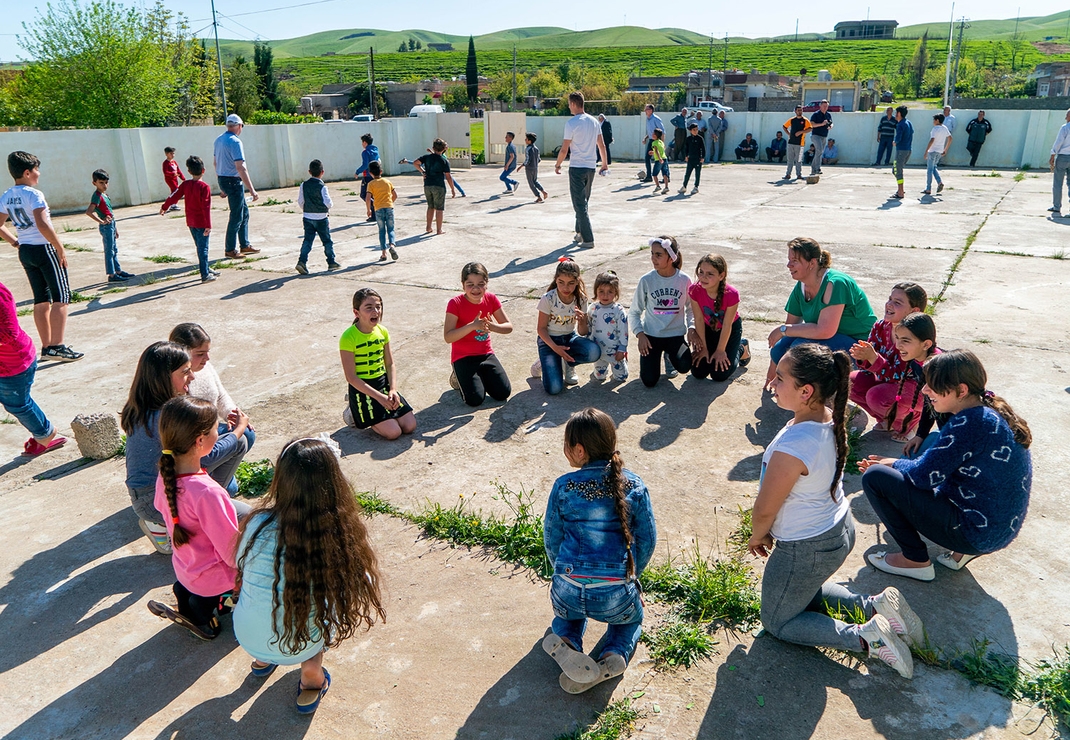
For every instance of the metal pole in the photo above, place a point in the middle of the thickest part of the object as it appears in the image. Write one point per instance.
(371, 80)
(950, 34)
(219, 62)
(724, 70)
(512, 106)
(709, 75)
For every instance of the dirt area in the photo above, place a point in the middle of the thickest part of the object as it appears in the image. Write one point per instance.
(459, 655)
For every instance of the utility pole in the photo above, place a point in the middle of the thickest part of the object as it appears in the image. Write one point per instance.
(512, 106)
(796, 30)
(724, 69)
(219, 62)
(958, 59)
(709, 73)
(947, 73)
(371, 81)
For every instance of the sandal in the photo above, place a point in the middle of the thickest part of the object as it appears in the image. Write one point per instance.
(263, 670)
(610, 666)
(207, 632)
(33, 448)
(948, 560)
(308, 700)
(744, 361)
(576, 666)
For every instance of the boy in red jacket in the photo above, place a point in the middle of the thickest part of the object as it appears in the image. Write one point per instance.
(198, 197)
(172, 173)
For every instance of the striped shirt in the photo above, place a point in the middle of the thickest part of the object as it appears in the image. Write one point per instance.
(368, 350)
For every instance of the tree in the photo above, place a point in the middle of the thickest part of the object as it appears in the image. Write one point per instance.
(359, 102)
(418, 45)
(102, 65)
(471, 72)
(455, 98)
(401, 47)
(842, 69)
(412, 45)
(920, 63)
(266, 84)
(546, 84)
(243, 97)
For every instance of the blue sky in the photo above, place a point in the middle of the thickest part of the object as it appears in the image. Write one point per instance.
(774, 17)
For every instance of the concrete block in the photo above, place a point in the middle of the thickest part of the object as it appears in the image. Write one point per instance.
(98, 435)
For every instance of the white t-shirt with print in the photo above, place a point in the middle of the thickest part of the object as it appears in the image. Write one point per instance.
(810, 509)
(562, 315)
(939, 135)
(19, 202)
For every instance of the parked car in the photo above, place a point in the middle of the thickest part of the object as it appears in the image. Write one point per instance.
(362, 117)
(887, 96)
(812, 107)
(712, 105)
(418, 109)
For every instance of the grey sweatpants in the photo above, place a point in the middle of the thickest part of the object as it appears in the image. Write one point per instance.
(796, 593)
(1060, 173)
(533, 181)
(900, 163)
(819, 149)
(795, 153)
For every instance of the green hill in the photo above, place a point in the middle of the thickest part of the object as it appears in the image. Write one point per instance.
(1035, 28)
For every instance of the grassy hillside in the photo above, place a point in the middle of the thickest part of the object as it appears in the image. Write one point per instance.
(874, 58)
(1035, 28)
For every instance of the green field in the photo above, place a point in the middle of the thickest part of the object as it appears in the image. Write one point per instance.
(1032, 29)
(873, 57)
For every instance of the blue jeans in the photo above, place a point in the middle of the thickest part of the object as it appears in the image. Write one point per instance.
(222, 462)
(15, 398)
(582, 350)
(648, 156)
(580, 180)
(617, 604)
(932, 162)
(661, 168)
(238, 224)
(200, 241)
(384, 217)
(458, 186)
(835, 342)
(510, 184)
(322, 228)
(111, 249)
(884, 149)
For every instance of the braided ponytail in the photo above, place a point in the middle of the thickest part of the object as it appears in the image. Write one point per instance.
(179, 536)
(829, 373)
(182, 420)
(616, 483)
(839, 415)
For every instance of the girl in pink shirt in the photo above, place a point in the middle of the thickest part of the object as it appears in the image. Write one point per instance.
(200, 518)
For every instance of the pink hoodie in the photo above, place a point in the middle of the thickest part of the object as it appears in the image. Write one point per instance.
(205, 564)
(17, 351)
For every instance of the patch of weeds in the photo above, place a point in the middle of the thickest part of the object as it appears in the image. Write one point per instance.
(995, 670)
(615, 722)
(1026, 167)
(1049, 685)
(288, 210)
(928, 653)
(163, 259)
(25, 311)
(854, 615)
(854, 447)
(149, 279)
(993, 173)
(8, 420)
(77, 297)
(740, 536)
(983, 341)
(275, 202)
(254, 478)
(69, 229)
(1019, 177)
(678, 643)
(350, 192)
(1058, 254)
(515, 539)
(121, 452)
(113, 290)
(76, 248)
(704, 590)
(372, 503)
(225, 264)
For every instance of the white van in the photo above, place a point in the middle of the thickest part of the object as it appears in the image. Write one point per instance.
(418, 109)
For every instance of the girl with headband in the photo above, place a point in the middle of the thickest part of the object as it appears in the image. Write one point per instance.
(201, 520)
(660, 314)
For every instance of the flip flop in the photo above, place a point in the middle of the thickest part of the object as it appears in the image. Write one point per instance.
(577, 666)
(33, 448)
(744, 361)
(610, 666)
(306, 704)
(262, 671)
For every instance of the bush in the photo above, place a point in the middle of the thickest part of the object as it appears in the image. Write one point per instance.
(270, 117)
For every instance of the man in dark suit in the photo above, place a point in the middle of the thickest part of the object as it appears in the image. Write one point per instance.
(607, 136)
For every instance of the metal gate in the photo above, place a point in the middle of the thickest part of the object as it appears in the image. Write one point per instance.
(495, 124)
(454, 129)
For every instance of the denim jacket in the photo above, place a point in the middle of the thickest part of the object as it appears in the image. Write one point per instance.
(581, 531)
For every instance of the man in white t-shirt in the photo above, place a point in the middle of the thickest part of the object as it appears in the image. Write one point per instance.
(583, 137)
(939, 142)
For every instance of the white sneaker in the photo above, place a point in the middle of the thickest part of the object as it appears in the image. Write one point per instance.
(578, 237)
(347, 417)
(536, 369)
(893, 606)
(694, 191)
(157, 536)
(887, 646)
(681, 191)
(570, 376)
(596, 378)
(670, 371)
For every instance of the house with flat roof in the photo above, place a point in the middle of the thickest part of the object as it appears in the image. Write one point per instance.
(866, 29)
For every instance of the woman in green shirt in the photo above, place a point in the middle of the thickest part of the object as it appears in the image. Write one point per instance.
(826, 306)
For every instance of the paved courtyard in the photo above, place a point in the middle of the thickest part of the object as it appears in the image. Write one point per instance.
(81, 657)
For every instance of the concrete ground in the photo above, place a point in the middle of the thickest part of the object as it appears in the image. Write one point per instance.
(81, 657)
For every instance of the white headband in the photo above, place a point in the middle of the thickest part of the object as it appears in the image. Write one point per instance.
(321, 437)
(665, 244)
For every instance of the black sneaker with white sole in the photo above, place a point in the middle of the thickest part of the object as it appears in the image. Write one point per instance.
(61, 353)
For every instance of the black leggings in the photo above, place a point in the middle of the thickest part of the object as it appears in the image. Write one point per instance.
(480, 376)
(650, 363)
(704, 368)
(198, 609)
(695, 167)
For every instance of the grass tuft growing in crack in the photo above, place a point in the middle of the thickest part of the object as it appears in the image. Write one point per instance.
(704, 590)
(615, 722)
(254, 477)
(677, 643)
(163, 259)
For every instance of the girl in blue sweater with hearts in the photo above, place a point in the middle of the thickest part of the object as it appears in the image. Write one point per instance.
(969, 492)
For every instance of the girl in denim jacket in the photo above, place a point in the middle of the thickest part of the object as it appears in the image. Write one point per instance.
(599, 534)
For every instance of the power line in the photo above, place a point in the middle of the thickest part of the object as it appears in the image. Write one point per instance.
(272, 10)
(258, 35)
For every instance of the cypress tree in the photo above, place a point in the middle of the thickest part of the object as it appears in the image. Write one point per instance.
(471, 71)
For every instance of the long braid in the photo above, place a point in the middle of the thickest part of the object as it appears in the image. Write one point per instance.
(616, 482)
(839, 413)
(179, 536)
(720, 295)
(889, 418)
(913, 404)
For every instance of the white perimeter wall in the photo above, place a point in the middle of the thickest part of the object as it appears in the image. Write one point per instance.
(278, 156)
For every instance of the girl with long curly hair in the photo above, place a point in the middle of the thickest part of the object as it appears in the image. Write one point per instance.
(308, 576)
